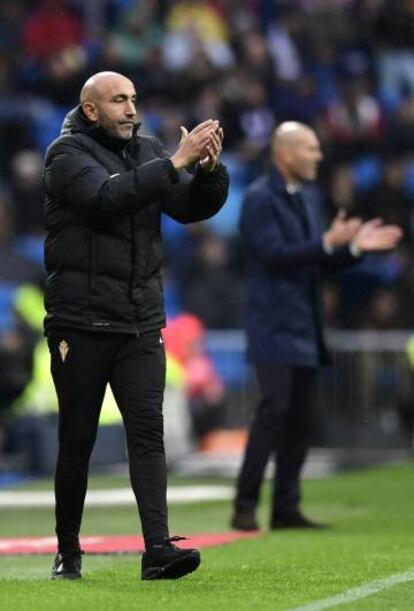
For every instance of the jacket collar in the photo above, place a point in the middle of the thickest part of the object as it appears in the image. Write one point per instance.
(277, 182)
(76, 122)
(279, 187)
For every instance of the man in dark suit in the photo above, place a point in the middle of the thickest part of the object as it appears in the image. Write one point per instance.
(286, 250)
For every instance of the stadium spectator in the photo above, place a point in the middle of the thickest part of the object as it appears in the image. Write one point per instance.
(400, 128)
(136, 35)
(184, 339)
(51, 27)
(393, 33)
(16, 340)
(284, 48)
(390, 199)
(26, 192)
(197, 34)
(354, 120)
(213, 279)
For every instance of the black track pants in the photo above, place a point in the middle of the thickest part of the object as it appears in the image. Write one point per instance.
(135, 369)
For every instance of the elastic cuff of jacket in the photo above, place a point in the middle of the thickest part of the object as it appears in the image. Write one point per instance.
(209, 175)
(172, 172)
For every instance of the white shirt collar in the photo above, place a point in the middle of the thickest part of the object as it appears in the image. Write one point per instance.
(293, 188)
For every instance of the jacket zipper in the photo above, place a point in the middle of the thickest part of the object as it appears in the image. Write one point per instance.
(131, 278)
(130, 166)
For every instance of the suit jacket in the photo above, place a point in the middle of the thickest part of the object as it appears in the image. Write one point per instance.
(284, 259)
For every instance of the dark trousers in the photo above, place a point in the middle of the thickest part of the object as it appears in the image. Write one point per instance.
(135, 369)
(281, 425)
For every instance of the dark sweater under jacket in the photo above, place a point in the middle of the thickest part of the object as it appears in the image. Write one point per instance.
(103, 205)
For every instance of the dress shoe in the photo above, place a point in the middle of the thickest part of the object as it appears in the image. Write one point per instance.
(244, 521)
(293, 518)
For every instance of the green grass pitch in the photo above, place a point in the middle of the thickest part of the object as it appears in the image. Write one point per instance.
(372, 537)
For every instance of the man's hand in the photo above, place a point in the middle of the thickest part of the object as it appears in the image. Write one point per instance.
(200, 143)
(373, 235)
(342, 231)
(209, 162)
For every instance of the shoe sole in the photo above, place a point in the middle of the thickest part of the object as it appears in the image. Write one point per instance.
(71, 576)
(174, 570)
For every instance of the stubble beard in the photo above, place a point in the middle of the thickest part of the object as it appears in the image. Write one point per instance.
(115, 130)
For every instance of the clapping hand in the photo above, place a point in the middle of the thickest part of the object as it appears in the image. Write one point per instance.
(342, 231)
(213, 150)
(202, 144)
(374, 235)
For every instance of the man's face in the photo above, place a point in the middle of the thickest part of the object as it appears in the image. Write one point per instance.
(114, 108)
(305, 156)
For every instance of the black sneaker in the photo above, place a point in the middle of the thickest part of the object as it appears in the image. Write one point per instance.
(167, 561)
(67, 566)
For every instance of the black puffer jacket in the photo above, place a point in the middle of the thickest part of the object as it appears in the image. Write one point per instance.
(103, 203)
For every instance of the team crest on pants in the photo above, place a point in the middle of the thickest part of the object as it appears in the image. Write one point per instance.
(63, 349)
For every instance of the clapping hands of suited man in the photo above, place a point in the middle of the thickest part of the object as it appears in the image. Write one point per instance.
(370, 236)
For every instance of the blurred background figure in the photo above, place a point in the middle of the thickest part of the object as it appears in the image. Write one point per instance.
(214, 279)
(16, 337)
(184, 339)
(286, 252)
(26, 193)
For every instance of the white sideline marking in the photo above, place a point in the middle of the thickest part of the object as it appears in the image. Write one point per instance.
(117, 496)
(367, 589)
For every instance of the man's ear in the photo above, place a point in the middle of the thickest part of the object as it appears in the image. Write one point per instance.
(90, 111)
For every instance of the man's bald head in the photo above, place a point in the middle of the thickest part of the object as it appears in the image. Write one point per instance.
(296, 151)
(108, 99)
(290, 133)
(98, 84)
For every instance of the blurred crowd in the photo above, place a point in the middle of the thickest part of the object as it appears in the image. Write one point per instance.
(345, 67)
